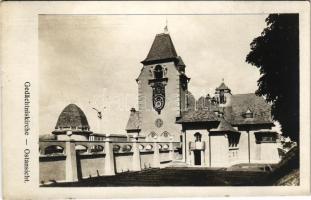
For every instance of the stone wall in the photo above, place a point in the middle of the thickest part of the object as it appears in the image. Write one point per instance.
(219, 150)
(146, 160)
(52, 168)
(76, 160)
(123, 162)
(243, 154)
(90, 165)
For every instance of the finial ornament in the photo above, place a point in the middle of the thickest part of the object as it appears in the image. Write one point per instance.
(166, 27)
(223, 80)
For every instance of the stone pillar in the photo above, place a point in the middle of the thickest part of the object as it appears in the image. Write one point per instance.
(71, 162)
(202, 158)
(136, 156)
(156, 155)
(191, 160)
(171, 153)
(189, 156)
(184, 146)
(248, 147)
(109, 158)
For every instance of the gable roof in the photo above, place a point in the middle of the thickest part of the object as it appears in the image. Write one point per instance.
(197, 116)
(241, 103)
(162, 48)
(134, 121)
(224, 126)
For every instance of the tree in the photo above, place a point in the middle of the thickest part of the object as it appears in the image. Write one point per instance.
(276, 54)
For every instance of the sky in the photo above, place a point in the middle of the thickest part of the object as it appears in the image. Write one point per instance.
(93, 60)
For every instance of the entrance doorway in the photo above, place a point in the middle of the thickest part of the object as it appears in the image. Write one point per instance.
(197, 157)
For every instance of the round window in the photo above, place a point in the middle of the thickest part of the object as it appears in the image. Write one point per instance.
(158, 123)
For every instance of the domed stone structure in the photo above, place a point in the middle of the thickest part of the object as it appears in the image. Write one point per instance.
(72, 117)
(72, 124)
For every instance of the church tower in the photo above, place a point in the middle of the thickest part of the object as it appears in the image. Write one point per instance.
(162, 90)
(223, 95)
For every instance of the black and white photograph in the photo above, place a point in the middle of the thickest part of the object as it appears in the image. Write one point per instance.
(169, 100)
(155, 99)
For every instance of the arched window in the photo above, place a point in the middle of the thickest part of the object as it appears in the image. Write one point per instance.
(222, 98)
(126, 148)
(149, 147)
(152, 134)
(54, 149)
(141, 147)
(97, 148)
(166, 146)
(198, 137)
(81, 149)
(158, 72)
(116, 148)
(165, 134)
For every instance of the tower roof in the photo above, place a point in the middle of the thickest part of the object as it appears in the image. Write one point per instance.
(162, 48)
(222, 86)
(134, 122)
(72, 117)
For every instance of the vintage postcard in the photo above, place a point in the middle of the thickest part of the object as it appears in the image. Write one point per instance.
(155, 99)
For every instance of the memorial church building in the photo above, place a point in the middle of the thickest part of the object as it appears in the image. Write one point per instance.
(216, 130)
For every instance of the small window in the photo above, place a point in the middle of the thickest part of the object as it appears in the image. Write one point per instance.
(233, 140)
(158, 72)
(198, 137)
(265, 137)
(222, 98)
(248, 114)
(269, 138)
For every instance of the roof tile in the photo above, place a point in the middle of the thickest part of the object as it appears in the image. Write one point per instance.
(197, 116)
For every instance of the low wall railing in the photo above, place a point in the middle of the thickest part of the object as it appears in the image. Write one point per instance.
(70, 149)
